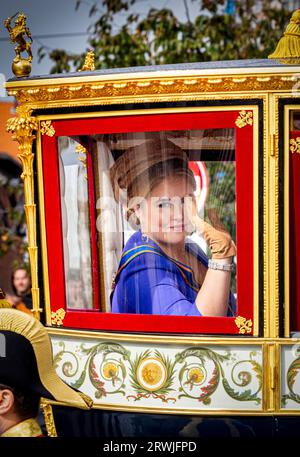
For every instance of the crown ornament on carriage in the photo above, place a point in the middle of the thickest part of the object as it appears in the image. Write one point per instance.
(20, 34)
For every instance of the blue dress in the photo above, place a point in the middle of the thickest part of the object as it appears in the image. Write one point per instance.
(150, 282)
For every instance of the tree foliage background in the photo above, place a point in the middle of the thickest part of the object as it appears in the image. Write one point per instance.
(222, 30)
(12, 216)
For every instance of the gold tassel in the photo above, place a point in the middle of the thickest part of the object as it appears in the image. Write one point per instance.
(289, 45)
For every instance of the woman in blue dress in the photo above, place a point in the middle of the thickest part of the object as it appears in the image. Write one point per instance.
(159, 272)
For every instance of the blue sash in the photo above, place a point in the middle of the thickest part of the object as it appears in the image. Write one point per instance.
(129, 255)
(185, 271)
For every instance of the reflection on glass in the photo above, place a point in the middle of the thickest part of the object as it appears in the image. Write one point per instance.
(75, 224)
(166, 205)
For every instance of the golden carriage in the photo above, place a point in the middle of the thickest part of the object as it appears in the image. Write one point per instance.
(244, 118)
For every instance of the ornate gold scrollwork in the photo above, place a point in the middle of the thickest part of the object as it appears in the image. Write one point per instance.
(49, 418)
(295, 145)
(57, 317)
(47, 128)
(244, 118)
(244, 325)
(103, 91)
(22, 128)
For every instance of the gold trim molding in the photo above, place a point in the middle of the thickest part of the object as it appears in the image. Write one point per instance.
(49, 418)
(47, 128)
(295, 145)
(57, 317)
(84, 89)
(22, 127)
(244, 325)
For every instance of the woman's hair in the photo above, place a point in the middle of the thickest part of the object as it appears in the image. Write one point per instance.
(142, 167)
(150, 178)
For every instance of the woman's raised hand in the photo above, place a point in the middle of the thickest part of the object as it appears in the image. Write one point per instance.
(218, 239)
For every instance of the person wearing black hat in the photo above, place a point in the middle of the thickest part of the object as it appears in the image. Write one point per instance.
(27, 374)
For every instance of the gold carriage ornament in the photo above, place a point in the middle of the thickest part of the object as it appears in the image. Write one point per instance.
(21, 66)
(288, 46)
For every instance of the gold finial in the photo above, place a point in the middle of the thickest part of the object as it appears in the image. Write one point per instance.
(89, 62)
(289, 44)
(21, 66)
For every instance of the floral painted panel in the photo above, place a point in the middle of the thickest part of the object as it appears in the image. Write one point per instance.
(290, 376)
(197, 377)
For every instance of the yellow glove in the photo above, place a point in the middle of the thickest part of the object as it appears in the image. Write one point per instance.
(218, 239)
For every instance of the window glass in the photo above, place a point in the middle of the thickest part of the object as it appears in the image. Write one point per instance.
(164, 203)
(75, 214)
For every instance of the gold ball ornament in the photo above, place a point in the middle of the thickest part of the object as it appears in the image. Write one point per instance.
(21, 68)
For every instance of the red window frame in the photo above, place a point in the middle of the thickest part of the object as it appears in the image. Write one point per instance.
(91, 319)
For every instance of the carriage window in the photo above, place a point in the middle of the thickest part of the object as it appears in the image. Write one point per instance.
(75, 214)
(165, 205)
(152, 222)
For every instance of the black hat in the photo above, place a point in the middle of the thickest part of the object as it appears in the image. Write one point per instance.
(26, 360)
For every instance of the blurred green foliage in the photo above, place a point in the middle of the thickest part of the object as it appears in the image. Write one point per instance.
(222, 198)
(159, 37)
(12, 217)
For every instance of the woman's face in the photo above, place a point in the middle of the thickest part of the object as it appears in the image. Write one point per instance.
(163, 214)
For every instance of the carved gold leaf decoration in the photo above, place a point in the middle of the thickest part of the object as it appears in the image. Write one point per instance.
(23, 125)
(244, 118)
(295, 145)
(47, 128)
(57, 317)
(22, 128)
(104, 91)
(244, 325)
